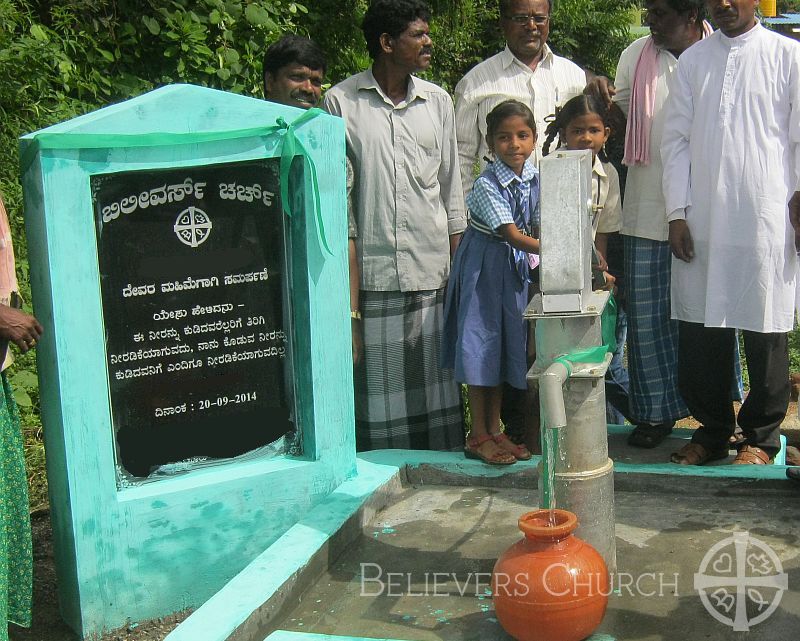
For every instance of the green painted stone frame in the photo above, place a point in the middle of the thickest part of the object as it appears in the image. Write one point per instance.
(142, 552)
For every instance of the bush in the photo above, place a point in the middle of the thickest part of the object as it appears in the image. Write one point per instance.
(592, 34)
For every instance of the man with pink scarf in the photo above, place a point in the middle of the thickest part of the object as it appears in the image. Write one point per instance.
(16, 559)
(642, 85)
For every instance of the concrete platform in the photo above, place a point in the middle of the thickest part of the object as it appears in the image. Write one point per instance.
(421, 570)
(413, 513)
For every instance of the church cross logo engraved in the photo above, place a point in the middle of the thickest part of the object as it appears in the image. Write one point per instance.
(193, 226)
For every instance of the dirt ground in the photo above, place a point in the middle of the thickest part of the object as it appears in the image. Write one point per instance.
(47, 623)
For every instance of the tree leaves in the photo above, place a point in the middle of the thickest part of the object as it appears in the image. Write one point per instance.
(151, 23)
(38, 33)
(256, 14)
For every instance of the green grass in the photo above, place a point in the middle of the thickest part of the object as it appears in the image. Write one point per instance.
(25, 383)
(34, 462)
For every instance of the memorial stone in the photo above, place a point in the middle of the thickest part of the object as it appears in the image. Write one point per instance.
(191, 275)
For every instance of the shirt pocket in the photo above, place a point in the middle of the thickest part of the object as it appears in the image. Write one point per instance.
(427, 159)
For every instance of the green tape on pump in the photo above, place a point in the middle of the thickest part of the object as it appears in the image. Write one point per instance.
(596, 354)
(291, 147)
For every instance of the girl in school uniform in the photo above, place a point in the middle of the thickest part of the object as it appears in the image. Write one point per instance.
(485, 336)
(584, 122)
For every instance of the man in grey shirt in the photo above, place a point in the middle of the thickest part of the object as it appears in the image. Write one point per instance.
(409, 211)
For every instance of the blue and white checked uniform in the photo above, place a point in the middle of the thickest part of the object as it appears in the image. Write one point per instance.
(485, 337)
(489, 208)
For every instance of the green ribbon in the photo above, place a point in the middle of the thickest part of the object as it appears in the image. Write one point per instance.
(597, 354)
(291, 147)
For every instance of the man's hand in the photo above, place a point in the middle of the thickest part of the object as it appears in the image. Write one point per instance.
(680, 240)
(358, 341)
(794, 217)
(19, 328)
(600, 87)
(455, 239)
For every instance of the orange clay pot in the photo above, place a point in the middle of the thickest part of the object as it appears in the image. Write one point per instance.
(551, 585)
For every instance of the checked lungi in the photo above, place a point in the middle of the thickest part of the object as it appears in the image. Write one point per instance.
(652, 334)
(403, 398)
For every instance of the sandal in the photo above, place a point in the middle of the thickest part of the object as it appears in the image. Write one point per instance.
(792, 455)
(518, 451)
(499, 457)
(649, 436)
(752, 455)
(696, 454)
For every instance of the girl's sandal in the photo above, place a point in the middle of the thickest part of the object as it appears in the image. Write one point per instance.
(498, 457)
(519, 452)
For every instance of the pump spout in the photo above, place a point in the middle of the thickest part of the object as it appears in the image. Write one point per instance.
(551, 390)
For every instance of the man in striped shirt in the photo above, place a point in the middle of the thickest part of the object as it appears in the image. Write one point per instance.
(526, 70)
(409, 215)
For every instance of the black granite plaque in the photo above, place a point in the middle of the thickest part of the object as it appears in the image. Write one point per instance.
(192, 276)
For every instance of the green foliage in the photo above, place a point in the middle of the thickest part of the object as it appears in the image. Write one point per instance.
(63, 58)
(216, 43)
(335, 25)
(592, 33)
(794, 350)
(464, 33)
(35, 466)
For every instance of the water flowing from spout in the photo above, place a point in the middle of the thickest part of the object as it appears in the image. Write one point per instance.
(549, 447)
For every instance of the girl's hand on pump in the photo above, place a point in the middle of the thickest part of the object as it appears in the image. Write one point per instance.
(518, 240)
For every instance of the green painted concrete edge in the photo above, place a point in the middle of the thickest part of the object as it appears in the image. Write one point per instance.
(219, 617)
(286, 635)
(455, 463)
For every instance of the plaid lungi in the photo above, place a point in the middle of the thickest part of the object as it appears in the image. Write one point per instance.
(403, 398)
(652, 334)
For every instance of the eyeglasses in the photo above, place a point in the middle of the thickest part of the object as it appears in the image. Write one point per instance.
(523, 20)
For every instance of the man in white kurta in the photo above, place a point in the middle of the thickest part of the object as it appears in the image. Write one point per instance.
(730, 151)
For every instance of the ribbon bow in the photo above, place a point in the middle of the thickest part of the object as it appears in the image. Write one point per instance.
(289, 149)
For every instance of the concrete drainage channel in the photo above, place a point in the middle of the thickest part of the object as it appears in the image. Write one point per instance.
(404, 551)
